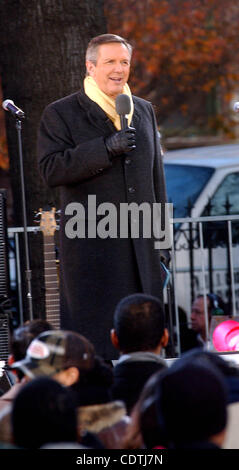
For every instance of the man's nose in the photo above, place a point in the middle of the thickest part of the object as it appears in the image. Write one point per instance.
(118, 67)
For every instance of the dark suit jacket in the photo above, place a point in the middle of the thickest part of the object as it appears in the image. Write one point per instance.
(130, 378)
(96, 273)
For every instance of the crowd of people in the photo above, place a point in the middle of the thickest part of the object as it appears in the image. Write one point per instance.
(80, 400)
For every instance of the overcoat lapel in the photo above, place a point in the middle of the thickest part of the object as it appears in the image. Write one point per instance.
(136, 116)
(98, 118)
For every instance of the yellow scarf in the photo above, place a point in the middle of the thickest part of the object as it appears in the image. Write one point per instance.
(105, 102)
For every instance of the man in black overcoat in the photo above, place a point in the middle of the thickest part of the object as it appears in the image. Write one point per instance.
(83, 150)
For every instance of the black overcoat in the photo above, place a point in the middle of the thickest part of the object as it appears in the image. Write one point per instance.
(96, 273)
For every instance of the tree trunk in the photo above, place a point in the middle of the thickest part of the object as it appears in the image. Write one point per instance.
(42, 46)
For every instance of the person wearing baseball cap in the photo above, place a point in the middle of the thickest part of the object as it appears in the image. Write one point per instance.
(58, 354)
(70, 359)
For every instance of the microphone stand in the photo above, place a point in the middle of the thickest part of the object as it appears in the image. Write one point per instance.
(28, 271)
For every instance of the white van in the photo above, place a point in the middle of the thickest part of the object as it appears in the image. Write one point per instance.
(195, 177)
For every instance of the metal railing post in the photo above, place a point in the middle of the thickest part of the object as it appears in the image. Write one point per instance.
(204, 285)
(229, 225)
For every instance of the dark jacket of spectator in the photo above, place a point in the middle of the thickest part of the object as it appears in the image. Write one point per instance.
(131, 373)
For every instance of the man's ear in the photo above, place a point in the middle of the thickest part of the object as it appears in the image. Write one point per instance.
(72, 375)
(165, 338)
(90, 67)
(114, 339)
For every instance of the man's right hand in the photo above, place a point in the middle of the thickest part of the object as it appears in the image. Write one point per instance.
(121, 142)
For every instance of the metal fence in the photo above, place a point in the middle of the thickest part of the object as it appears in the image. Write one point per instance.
(200, 243)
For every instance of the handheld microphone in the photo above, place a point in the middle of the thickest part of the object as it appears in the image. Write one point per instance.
(9, 105)
(123, 107)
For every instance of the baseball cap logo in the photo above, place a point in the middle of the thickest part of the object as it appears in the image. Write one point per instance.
(38, 350)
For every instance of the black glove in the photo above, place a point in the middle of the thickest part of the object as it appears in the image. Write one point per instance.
(121, 142)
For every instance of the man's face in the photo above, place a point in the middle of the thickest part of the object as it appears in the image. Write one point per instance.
(112, 68)
(198, 316)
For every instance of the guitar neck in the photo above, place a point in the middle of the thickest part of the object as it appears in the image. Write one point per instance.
(52, 299)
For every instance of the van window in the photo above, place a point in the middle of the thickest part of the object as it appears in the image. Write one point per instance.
(229, 188)
(184, 183)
